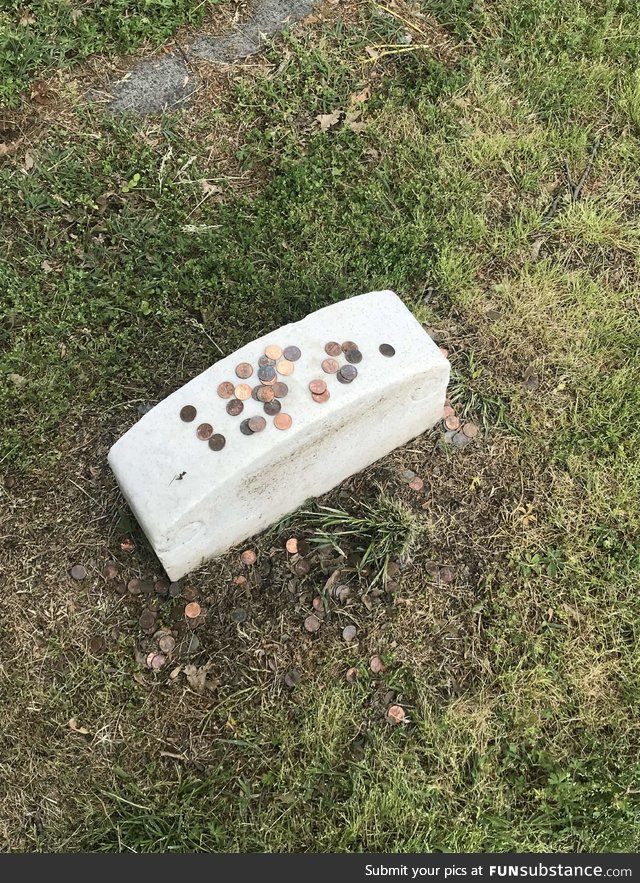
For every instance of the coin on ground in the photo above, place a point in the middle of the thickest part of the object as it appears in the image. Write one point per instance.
(292, 678)
(204, 431)
(217, 442)
(273, 351)
(285, 367)
(330, 366)
(416, 484)
(162, 586)
(312, 623)
(470, 430)
(395, 714)
(323, 397)
(248, 557)
(243, 392)
(239, 615)
(387, 350)
(351, 675)
(244, 370)
(452, 422)
(353, 356)
(282, 421)
(245, 429)
(376, 665)
(78, 572)
(280, 389)
(235, 407)
(292, 545)
(110, 570)
(257, 424)
(147, 620)
(291, 353)
(349, 632)
(444, 351)
(447, 411)
(317, 387)
(188, 413)
(447, 574)
(167, 643)
(460, 440)
(225, 390)
(332, 348)
(192, 610)
(272, 408)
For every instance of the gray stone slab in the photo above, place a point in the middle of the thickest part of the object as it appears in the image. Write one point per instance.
(154, 86)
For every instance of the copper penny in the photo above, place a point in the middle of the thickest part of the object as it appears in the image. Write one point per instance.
(235, 407)
(285, 367)
(244, 370)
(332, 348)
(291, 353)
(192, 610)
(317, 387)
(280, 389)
(265, 394)
(353, 356)
(257, 424)
(225, 390)
(447, 411)
(243, 392)
(217, 442)
(266, 374)
(188, 413)
(323, 397)
(470, 430)
(282, 421)
(347, 373)
(444, 351)
(263, 361)
(292, 546)
(330, 366)
(273, 351)
(272, 408)
(452, 422)
(245, 429)
(204, 431)
(387, 350)
(248, 557)
(348, 345)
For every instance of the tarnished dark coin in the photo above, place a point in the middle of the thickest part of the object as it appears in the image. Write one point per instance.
(147, 620)
(348, 345)
(347, 373)
(285, 367)
(244, 370)
(204, 431)
(254, 392)
(243, 392)
(317, 387)
(257, 424)
(267, 373)
(235, 407)
(353, 356)
(280, 389)
(332, 348)
(387, 350)
(78, 572)
(245, 429)
(282, 421)
(291, 353)
(239, 615)
(330, 366)
(263, 361)
(265, 394)
(188, 413)
(225, 390)
(272, 408)
(323, 397)
(217, 442)
(162, 586)
(273, 351)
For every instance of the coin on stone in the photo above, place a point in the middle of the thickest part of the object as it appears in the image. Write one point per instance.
(280, 389)
(244, 370)
(266, 374)
(243, 392)
(263, 361)
(217, 442)
(282, 421)
(225, 390)
(264, 393)
(323, 397)
(317, 387)
(188, 413)
(285, 367)
(353, 356)
(245, 429)
(272, 408)
(347, 374)
(235, 407)
(273, 351)
(257, 424)
(387, 350)
(204, 431)
(330, 366)
(348, 345)
(291, 353)
(332, 348)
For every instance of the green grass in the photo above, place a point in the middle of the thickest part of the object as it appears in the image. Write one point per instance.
(521, 680)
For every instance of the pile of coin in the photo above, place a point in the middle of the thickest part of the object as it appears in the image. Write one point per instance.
(344, 374)
(205, 430)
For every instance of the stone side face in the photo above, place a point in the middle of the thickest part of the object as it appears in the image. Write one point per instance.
(226, 496)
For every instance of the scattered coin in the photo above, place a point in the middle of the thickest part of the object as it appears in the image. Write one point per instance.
(318, 605)
(348, 345)
(120, 586)
(416, 484)
(239, 615)
(395, 714)
(266, 374)
(175, 589)
(447, 574)
(244, 370)
(304, 547)
(291, 353)
(248, 557)
(280, 389)
(272, 408)
(204, 431)
(332, 348)
(470, 430)
(245, 429)
(263, 361)
(235, 407)
(312, 623)
(162, 586)
(273, 352)
(532, 382)
(351, 675)
(167, 643)
(156, 661)
(189, 593)
(146, 586)
(342, 593)
(285, 367)
(292, 677)
(192, 610)
(460, 440)
(330, 366)
(448, 436)
(257, 424)
(445, 352)
(349, 632)
(408, 475)
(111, 570)
(147, 620)
(188, 413)
(217, 441)
(452, 422)
(302, 566)
(134, 586)
(387, 350)
(317, 387)
(78, 572)
(347, 374)
(264, 393)
(292, 546)
(282, 421)
(432, 568)
(376, 665)
(323, 397)
(447, 411)
(353, 356)
(225, 390)
(243, 392)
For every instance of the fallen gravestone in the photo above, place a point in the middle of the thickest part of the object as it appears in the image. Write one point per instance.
(287, 417)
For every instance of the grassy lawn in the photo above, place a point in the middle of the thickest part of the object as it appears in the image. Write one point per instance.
(133, 252)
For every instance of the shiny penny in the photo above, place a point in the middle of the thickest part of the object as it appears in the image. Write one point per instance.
(244, 370)
(243, 392)
(317, 387)
(330, 366)
(257, 424)
(225, 390)
(348, 345)
(265, 393)
(235, 407)
(387, 350)
(280, 389)
(266, 374)
(452, 422)
(353, 356)
(323, 397)
(282, 421)
(188, 413)
(273, 352)
(332, 348)
(291, 353)
(217, 442)
(347, 373)
(245, 429)
(285, 367)
(204, 431)
(272, 408)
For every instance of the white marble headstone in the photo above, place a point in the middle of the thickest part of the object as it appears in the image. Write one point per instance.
(194, 502)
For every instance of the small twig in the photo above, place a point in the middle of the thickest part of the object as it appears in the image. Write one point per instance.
(575, 195)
